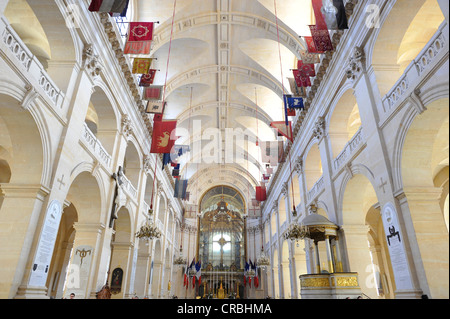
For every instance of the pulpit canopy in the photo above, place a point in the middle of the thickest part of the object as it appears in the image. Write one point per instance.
(319, 227)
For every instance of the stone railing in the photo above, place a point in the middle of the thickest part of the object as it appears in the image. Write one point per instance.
(433, 51)
(349, 150)
(95, 147)
(315, 190)
(129, 188)
(32, 69)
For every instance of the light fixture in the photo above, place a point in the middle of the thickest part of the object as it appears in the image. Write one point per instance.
(263, 261)
(180, 261)
(297, 232)
(148, 231)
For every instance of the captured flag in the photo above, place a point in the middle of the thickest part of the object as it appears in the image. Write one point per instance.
(153, 92)
(301, 79)
(140, 37)
(341, 15)
(330, 14)
(309, 57)
(283, 129)
(155, 107)
(114, 7)
(141, 65)
(272, 152)
(308, 69)
(148, 78)
(163, 138)
(296, 91)
(312, 49)
(293, 102)
(320, 19)
(261, 195)
(180, 188)
(321, 38)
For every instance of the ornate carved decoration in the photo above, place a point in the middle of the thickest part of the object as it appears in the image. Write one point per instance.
(319, 128)
(356, 64)
(127, 128)
(91, 62)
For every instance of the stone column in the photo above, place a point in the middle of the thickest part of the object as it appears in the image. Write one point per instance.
(426, 221)
(316, 251)
(20, 213)
(326, 157)
(339, 267)
(365, 90)
(82, 268)
(329, 255)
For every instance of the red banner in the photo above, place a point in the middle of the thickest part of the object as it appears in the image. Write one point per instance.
(140, 36)
(261, 195)
(321, 38)
(320, 19)
(163, 139)
(301, 79)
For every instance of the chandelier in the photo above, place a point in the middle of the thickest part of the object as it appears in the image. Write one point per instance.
(180, 261)
(148, 231)
(263, 261)
(297, 232)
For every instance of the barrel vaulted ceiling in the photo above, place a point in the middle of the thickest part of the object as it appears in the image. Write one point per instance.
(224, 57)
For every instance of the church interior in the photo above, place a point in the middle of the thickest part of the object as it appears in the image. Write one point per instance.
(224, 149)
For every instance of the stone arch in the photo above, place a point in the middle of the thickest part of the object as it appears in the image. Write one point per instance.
(424, 180)
(382, 278)
(409, 26)
(56, 48)
(102, 117)
(275, 272)
(358, 199)
(61, 255)
(132, 163)
(157, 269)
(283, 210)
(344, 120)
(86, 195)
(312, 165)
(162, 208)
(285, 263)
(21, 142)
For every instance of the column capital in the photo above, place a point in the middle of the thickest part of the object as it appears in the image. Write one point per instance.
(23, 190)
(89, 227)
(356, 64)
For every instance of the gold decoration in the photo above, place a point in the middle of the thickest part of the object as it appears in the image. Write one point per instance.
(315, 282)
(347, 281)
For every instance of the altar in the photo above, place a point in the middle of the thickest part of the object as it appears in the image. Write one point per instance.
(221, 285)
